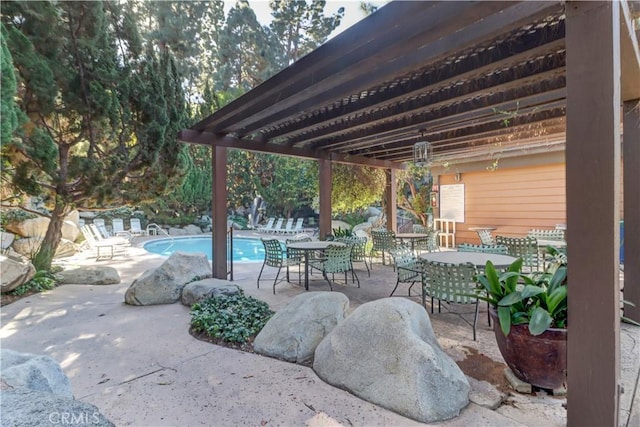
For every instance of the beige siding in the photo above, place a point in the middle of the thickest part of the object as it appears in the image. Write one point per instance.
(513, 200)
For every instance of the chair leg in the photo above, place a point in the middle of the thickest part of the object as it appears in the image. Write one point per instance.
(475, 320)
(365, 264)
(396, 287)
(275, 281)
(327, 279)
(259, 275)
(354, 273)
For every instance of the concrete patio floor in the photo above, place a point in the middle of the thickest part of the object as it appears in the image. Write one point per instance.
(140, 366)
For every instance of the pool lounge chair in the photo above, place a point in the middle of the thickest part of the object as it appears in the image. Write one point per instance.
(136, 228)
(297, 227)
(104, 248)
(268, 227)
(118, 229)
(287, 228)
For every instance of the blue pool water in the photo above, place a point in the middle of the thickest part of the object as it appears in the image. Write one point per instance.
(244, 249)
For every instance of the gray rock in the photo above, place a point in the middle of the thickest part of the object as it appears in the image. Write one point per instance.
(173, 231)
(30, 245)
(163, 285)
(485, 394)
(201, 289)
(14, 272)
(192, 229)
(6, 239)
(385, 352)
(33, 372)
(294, 332)
(29, 408)
(94, 275)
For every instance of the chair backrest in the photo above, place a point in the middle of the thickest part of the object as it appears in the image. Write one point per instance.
(486, 238)
(99, 222)
(273, 252)
(289, 225)
(338, 259)
(99, 231)
(358, 252)
(383, 239)
(135, 225)
(451, 282)
(487, 249)
(407, 264)
(278, 225)
(546, 234)
(88, 236)
(296, 254)
(298, 225)
(521, 247)
(269, 224)
(118, 225)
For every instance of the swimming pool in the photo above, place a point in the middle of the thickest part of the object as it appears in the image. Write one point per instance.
(245, 249)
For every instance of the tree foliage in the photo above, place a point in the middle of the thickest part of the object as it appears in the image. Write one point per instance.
(101, 121)
(414, 188)
(355, 187)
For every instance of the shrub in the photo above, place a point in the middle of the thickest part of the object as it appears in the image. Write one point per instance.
(232, 318)
(42, 281)
(14, 215)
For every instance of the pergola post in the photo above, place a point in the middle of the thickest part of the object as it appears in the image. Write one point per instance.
(593, 211)
(631, 175)
(219, 211)
(391, 196)
(324, 171)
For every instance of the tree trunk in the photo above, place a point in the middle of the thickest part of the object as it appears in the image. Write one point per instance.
(44, 256)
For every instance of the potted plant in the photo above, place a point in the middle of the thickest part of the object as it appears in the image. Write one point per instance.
(530, 320)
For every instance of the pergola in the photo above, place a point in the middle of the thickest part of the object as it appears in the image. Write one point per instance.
(539, 76)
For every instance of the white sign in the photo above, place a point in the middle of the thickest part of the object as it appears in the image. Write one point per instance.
(452, 202)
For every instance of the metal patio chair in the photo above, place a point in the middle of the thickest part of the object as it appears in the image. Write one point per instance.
(336, 259)
(522, 247)
(409, 269)
(274, 256)
(383, 241)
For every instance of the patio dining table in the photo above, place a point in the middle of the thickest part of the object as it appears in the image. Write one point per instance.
(479, 259)
(411, 237)
(307, 247)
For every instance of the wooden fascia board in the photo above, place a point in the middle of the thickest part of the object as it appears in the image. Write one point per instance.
(207, 138)
(629, 55)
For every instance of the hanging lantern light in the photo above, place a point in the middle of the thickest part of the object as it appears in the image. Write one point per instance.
(422, 153)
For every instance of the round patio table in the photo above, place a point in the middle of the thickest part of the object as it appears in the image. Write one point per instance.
(412, 237)
(307, 247)
(478, 259)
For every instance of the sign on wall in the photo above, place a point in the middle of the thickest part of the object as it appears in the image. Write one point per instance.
(452, 202)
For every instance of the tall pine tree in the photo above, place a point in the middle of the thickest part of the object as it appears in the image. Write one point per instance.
(102, 111)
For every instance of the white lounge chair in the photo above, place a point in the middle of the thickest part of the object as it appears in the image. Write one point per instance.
(118, 229)
(297, 228)
(268, 227)
(136, 228)
(278, 227)
(104, 248)
(288, 227)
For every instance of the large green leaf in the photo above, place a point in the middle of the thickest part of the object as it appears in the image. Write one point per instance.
(511, 299)
(531, 291)
(556, 298)
(504, 315)
(540, 321)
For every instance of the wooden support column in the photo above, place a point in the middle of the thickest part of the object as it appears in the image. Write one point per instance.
(219, 211)
(593, 211)
(631, 175)
(391, 196)
(324, 170)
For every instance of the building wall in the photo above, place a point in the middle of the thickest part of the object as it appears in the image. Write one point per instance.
(512, 199)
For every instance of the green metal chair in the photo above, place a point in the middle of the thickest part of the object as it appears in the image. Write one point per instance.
(453, 284)
(487, 249)
(358, 251)
(522, 247)
(554, 234)
(275, 257)
(486, 238)
(383, 241)
(296, 254)
(336, 259)
(409, 269)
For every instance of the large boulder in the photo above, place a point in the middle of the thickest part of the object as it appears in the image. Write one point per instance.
(294, 332)
(335, 224)
(35, 392)
(37, 227)
(163, 285)
(73, 217)
(192, 229)
(385, 352)
(30, 245)
(93, 275)
(201, 289)
(33, 372)
(174, 231)
(15, 271)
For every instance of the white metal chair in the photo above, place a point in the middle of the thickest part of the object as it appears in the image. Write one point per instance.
(136, 228)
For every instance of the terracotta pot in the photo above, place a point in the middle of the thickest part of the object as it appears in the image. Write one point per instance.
(539, 360)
